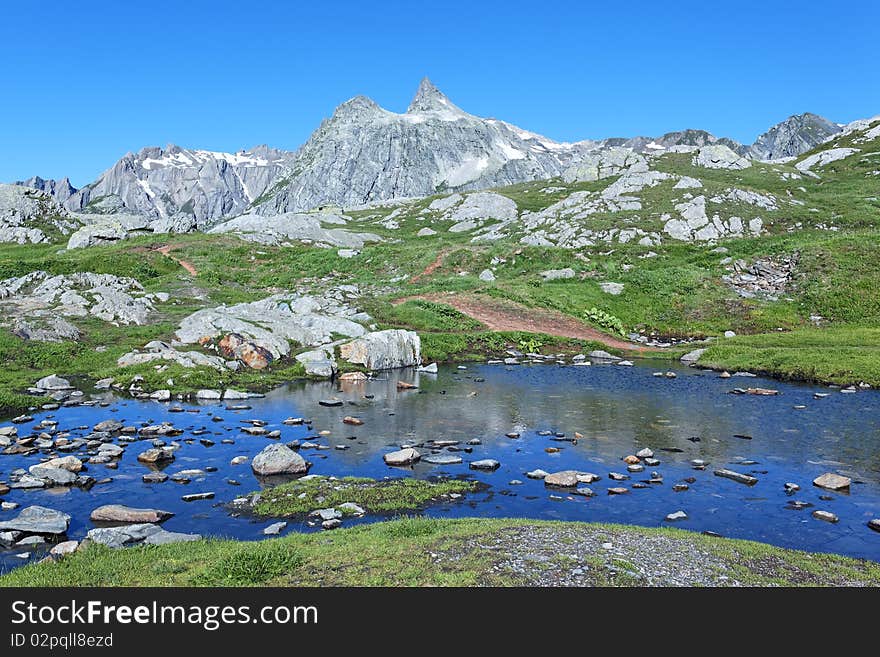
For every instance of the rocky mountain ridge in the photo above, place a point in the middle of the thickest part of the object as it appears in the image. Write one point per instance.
(364, 154)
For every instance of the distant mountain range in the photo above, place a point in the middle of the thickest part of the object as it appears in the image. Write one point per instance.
(364, 154)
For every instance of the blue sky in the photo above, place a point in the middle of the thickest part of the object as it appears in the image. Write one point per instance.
(84, 82)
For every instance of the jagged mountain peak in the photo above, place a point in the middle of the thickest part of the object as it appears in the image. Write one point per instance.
(795, 135)
(357, 106)
(429, 98)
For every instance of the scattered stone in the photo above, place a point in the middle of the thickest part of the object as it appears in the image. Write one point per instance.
(537, 474)
(485, 464)
(154, 478)
(355, 421)
(404, 456)
(442, 459)
(120, 513)
(737, 476)
(351, 509)
(157, 455)
(563, 479)
(192, 497)
(831, 481)
(274, 529)
(677, 515)
(618, 491)
(827, 516)
(64, 548)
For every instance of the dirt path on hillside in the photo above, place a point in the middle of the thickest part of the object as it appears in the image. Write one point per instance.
(500, 315)
(430, 269)
(166, 251)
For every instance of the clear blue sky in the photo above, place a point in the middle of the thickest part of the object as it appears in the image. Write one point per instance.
(84, 82)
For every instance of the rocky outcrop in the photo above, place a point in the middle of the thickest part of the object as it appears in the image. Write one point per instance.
(765, 278)
(273, 323)
(605, 163)
(40, 295)
(384, 350)
(695, 225)
(792, 137)
(822, 158)
(162, 183)
(26, 214)
(300, 227)
(101, 229)
(141, 533)
(60, 190)
(719, 156)
(364, 153)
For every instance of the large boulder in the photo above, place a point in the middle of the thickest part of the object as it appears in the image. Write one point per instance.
(53, 382)
(384, 350)
(120, 513)
(100, 233)
(318, 362)
(605, 163)
(719, 156)
(278, 459)
(832, 481)
(38, 520)
(404, 456)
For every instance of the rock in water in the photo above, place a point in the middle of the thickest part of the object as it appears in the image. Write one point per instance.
(38, 520)
(485, 464)
(120, 513)
(563, 479)
(737, 476)
(831, 481)
(274, 529)
(678, 515)
(402, 457)
(827, 516)
(156, 455)
(278, 459)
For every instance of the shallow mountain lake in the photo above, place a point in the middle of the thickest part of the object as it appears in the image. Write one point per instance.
(618, 410)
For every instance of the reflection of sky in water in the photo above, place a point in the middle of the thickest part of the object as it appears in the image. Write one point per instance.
(618, 410)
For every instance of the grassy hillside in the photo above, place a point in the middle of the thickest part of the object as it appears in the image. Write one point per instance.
(822, 327)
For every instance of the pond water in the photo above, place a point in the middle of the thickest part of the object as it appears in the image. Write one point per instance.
(618, 410)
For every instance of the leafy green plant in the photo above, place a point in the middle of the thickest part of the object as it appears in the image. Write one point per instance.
(530, 345)
(605, 320)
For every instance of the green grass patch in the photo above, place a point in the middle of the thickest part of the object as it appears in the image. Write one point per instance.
(399, 553)
(838, 355)
(375, 496)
